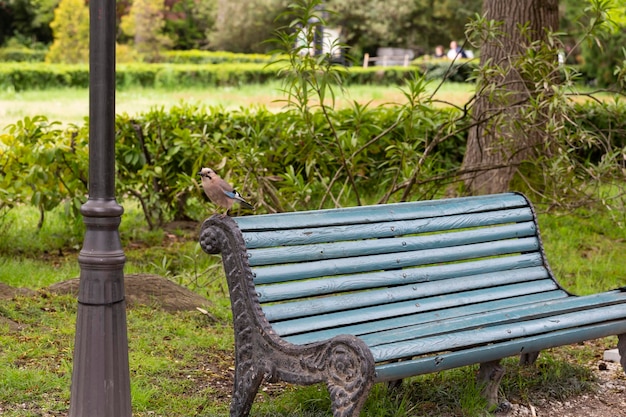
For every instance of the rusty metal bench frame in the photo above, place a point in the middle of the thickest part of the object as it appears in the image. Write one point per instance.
(349, 297)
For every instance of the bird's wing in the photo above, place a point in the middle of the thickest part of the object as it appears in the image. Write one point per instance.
(232, 194)
(236, 196)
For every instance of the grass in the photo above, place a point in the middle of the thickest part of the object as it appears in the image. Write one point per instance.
(585, 251)
(181, 363)
(72, 105)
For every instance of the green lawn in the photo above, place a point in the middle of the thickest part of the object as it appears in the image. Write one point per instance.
(72, 105)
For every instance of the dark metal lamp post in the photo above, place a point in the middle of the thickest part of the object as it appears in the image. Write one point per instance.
(100, 377)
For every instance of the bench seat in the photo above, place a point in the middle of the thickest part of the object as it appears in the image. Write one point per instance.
(406, 289)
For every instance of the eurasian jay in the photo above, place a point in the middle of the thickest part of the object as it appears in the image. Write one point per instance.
(219, 191)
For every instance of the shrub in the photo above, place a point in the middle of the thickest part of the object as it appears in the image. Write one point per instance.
(438, 69)
(600, 62)
(210, 57)
(44, 166)
(39, 76)
(279, 161)
(22, 55)
(29, 76)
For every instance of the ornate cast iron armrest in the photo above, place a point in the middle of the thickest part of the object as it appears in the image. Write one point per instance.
(344, 363)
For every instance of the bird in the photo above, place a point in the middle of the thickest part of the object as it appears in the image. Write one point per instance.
(220, 192)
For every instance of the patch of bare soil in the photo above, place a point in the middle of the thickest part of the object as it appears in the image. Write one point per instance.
(607, 400)
(7, 292)
(146, 289)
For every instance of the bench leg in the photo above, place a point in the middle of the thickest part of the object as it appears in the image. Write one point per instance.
(490, 374)
(343, 363)
(621, 348)
(248, 379)
(527, 359)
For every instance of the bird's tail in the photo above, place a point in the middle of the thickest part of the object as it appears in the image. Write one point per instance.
(245, 204)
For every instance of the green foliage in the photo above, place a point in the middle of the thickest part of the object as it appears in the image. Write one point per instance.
(602, 60)
(524, 112)
(270, 153)
(244, 26)
(393, 153)
(145, 24)
(21, 55)
(43, 166)
(604, 34)
(212, 57)
(71, 33)
(419, 24)
(189, 22)
(39, 76)
(26, 22)
(443, 69)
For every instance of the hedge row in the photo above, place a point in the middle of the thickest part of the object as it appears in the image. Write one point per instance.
(277, 160)
(210, 57)
(29, 76)
(22, 55)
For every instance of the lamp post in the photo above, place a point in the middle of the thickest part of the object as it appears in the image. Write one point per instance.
(100, 377)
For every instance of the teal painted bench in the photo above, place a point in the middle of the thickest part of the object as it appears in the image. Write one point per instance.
(354, 296)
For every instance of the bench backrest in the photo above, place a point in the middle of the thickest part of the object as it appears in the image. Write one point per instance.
(315, 272)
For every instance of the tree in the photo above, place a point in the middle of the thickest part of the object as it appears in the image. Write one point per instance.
(26, 21)
(145, 24)
(417, 24)
(189, 21)
(245, 26)
(71, 33)
(508, 127)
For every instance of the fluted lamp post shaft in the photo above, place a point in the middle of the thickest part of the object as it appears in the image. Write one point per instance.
(100, 377)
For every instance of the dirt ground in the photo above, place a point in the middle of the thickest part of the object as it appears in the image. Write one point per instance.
(608, 400)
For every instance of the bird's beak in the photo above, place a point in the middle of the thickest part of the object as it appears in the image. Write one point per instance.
(200, 173)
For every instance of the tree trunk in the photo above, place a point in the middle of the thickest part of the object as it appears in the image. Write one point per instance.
(500, 142)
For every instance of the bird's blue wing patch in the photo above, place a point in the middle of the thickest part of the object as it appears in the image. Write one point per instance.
(231, 194)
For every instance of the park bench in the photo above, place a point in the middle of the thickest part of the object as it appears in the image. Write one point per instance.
(354, 296)
(389, 57)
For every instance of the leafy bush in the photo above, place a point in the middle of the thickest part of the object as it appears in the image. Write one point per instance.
(44, 166)
(272, 155)
(277, 160)
(29, 76)
(600, 62)
(198, 57)
(21, 55)
(39, 76)
(438, 69)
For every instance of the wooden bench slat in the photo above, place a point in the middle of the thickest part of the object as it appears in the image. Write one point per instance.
(307, 288)
(510, 314)
(368, 230)
(383, 212)
(404, 369)
(281, 255)
(296, 271)
(366, 328)
(343, 318)
(493, 334)
(317, 306)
